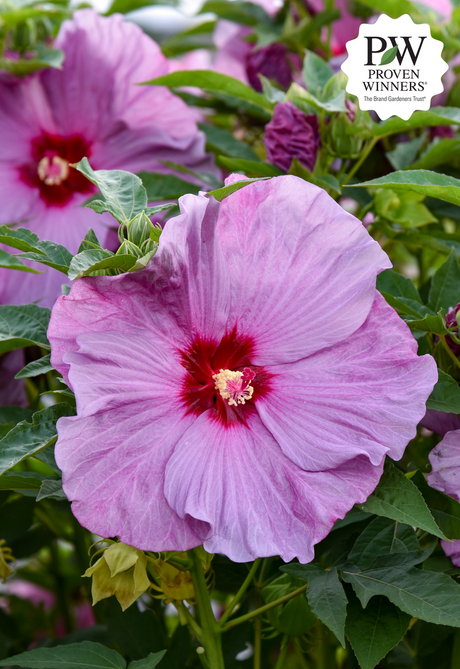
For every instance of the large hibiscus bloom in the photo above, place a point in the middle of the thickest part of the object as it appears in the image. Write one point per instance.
(92, 107)
(243, 390)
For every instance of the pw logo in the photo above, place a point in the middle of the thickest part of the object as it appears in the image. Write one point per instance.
(394, 67)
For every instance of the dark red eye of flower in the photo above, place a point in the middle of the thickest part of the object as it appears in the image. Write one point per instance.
(49, 168)
(221, 377)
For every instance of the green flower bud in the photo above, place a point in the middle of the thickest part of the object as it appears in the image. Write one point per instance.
(341, 138)
(5, 557)
(121, 571)
(139, 229)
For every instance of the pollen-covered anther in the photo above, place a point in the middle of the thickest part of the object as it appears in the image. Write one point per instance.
(235, 387)
(53, 171)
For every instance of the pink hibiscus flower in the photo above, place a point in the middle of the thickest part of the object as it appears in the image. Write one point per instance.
(445, 476)
(92, 107)
(243, 390)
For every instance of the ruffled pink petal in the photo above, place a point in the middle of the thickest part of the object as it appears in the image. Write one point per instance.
(257, 502)
(114, 453)
(302, 270)
(184, 292)
(452, 550)
(445, 462)
(363, 396)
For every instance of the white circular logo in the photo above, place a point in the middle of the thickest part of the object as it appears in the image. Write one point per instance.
(394, 67)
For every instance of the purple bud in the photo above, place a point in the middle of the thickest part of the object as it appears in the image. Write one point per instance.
(292, 134)
(271, 61)
(451, 322)
(442, 131)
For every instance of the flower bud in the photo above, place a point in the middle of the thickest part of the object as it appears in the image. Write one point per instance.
(173, 584)
(121, 571)
(139, 229)
(452, 322)
(341, 139)
(273, 61)
(292, 134)
(5, 557)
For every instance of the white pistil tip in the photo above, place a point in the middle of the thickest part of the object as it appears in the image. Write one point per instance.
(232, 387)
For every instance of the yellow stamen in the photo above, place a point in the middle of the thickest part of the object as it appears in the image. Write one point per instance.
(53, 172)
(232, 387)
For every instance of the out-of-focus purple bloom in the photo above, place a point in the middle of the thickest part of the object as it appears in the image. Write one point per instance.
(12, 390)
(92, 107)
(243, 390)
(445, 476)
(272, 62)
(292, 134)
(442, 131)
(440, 422)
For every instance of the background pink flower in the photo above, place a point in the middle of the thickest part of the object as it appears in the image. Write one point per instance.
(93, 108)
(275, 286)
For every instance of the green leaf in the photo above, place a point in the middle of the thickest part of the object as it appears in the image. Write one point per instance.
(90, 241)
(294, 617)
(149, 662)
(85, 655)
(310, 104)
(405, 153)
(124, 193)
(221, 193)
(245, 13)
(24, 325)
(12, 262)
(445, 285)
(87, 262)
(430, 596)
(440, 151)
(51, 488)
(316, 72)
(221, 141)
(445, 510)
(21, 481)
(43, 59)
(124, 6)
(381, 537)
(424, 182)
(28, 438)
(325, 595)
(419, 119)
(250, 167)
(45, 252)
(389, 56)
(166, 186)
(35, 368)
(214, 82)
(429, 323)
(398, 285)
(399, 499)
(375, 630)
(446, 395)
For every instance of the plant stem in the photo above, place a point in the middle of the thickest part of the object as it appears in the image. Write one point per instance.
(361, 160)
(247, 582)
(183, 611)
(262, 609)
(257, 643)
(283, 651)
(448, 350)
(211, 632)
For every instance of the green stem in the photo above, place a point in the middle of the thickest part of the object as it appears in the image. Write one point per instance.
(257, 643)
(448, 350)
(247, 582)
(187, 616)
(262, 609)
(282, 655)
(361, 160)
(211, 632)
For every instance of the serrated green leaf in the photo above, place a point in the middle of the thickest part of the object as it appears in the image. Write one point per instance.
(375, 630)
(95, 260)
(381, 537)
(25, 438)
(445, 285)
(446, 395)
(89, 242)
(295, 616)
(396, 497)
(12, 262)
(19, 238)
(429, 323)
(24, 325)
(150, 662)
(45, 252)
(389, 56)
(430, 596)
(51, 488)
(325, 595)
(123, 192)
(214, 82)
(424, 182)
(85, 655)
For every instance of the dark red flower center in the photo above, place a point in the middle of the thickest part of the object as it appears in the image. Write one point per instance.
(49, 168)
(221, 377)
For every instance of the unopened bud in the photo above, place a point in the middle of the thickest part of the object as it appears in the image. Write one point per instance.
(121, 571)
(5, 557)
